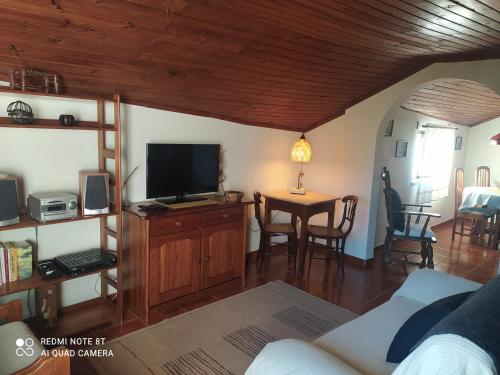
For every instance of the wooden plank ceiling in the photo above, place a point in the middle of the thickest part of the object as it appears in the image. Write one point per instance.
(458, 101)
(288, 64)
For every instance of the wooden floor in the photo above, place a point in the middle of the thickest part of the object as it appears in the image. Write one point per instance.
(359, 291)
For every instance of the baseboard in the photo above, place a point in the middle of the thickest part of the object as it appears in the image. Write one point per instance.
(351, 260)
(250, 256)
(443, 224)
(358, 262)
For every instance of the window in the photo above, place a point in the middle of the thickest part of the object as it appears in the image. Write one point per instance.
(433, 162)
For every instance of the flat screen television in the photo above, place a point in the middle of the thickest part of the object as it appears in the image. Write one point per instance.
(176, 170)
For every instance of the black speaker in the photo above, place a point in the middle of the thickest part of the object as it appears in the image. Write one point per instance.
(9, 204)
(94, 193)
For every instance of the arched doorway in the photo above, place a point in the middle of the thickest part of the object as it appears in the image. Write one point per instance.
(470, 108)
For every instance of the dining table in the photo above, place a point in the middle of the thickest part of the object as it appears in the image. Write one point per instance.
(484, 200)
(301, 206)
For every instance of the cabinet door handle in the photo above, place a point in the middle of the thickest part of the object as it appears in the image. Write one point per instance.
(206, 259)
(178, 223)
(225, 216)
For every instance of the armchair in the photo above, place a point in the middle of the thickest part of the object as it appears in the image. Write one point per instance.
(400, 227)
(25, 358)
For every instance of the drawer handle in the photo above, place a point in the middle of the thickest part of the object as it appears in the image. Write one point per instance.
(225, 216)
(178, 223)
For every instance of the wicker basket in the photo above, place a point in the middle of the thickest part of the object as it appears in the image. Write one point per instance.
(233, 195)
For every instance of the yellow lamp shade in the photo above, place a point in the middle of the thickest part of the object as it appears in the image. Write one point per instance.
(301, 151)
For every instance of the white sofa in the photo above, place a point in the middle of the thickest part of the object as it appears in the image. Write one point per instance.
(360, 346)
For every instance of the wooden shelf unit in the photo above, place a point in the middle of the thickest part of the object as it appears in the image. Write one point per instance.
(27, 221)
(85, 315)
(9, 90)
(6, 122)
(36, 281)
(78, 318)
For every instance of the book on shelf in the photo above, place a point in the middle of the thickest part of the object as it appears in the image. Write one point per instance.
(6, 263)
(11, 246)
(24, 260)
(15, 261)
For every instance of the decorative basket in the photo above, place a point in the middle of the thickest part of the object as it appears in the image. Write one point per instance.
(233, 195)
(35, 80)
(20, 113)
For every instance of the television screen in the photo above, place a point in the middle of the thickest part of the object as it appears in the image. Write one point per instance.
(180, 169)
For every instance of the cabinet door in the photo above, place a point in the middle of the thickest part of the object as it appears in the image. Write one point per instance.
(174, 266)
(222, 253)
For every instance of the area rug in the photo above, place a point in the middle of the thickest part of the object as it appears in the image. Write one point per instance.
(224, 337)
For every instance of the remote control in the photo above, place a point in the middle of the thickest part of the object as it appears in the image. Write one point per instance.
(151, 207)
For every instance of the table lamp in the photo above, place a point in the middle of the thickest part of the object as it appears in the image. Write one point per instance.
(495, 140)
(301, 153)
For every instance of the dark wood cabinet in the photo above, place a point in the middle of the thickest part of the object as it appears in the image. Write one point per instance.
(174, 266)
(182, 253)
(220, 261)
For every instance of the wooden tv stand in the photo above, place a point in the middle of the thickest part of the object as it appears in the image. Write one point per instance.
(180, 255)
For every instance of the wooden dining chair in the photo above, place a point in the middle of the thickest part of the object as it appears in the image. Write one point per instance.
(480, 222)
(460, 218)
(268, 231)
(483, 176)
(401, 227)
(335, 236)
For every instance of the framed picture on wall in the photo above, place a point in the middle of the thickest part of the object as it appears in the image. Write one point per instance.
(389, 128)
(401, 147)
(458, 143)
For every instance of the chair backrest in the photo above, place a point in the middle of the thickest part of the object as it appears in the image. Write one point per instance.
(459, 187)
(392, 203)
(256, 203)
(483, 176)
(350, 204)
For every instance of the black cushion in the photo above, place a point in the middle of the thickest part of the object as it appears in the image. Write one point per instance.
(477, 319)
(420, 323)
(396, 204)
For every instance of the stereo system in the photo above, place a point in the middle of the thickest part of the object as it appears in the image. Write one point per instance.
(94, 193)
(9, 200)
(53, 206)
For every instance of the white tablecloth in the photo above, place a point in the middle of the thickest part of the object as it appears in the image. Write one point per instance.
(481, 197)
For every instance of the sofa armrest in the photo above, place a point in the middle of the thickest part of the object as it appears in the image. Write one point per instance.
(427, 286)
(297, 357)
(447, 355)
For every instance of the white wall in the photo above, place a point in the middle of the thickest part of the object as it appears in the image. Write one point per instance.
(480, 152)
(354, 169)
(47, 160)
(405, 126)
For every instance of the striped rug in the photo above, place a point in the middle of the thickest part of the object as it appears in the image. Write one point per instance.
(223, 338)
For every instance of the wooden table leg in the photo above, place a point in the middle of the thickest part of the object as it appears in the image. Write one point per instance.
(294, 224)
(302, 248)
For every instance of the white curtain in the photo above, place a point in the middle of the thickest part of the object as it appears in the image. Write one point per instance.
(434, 164)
